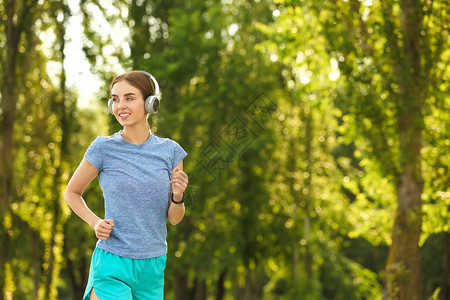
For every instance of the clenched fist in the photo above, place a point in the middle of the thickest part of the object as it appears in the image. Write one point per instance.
(103, 228)
(179, 182)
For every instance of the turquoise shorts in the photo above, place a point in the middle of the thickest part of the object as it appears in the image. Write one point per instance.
(115, 277)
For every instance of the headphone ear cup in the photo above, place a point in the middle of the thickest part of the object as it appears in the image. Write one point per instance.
(155, 104)
(110, 104)
(152, 104)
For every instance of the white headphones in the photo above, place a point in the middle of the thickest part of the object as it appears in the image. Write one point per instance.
(151, 102)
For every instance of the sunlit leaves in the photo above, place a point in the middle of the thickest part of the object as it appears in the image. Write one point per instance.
(317, 180)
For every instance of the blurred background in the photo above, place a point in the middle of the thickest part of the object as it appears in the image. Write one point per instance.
(317, 133)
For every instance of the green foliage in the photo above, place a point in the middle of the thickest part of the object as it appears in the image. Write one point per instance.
(288, 111)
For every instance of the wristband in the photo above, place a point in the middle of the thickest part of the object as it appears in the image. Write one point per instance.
(182, 200)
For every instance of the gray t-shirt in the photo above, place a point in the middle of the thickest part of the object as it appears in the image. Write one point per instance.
(136, 189)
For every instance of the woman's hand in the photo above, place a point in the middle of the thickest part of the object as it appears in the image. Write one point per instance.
(178, 183)
(103, 228)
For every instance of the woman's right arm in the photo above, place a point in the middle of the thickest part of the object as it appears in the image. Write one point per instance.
(83, 175)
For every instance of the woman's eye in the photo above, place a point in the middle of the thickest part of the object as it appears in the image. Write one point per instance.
(129, 98)
(115, 99)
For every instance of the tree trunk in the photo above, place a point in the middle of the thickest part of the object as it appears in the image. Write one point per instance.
(443, 294)
(77, 284)
(200, 289)
(250, 285)
(403, 264)
(309, 201)
(295, 263)
(248, 219)
(35, 262)
(292, 167)
(57, 211)
(221, 285)
(239, 292)
(180, 283)
(55, 231)
(9, 100)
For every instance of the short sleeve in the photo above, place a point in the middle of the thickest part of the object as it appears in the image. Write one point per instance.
(94, 154)
(178, 154)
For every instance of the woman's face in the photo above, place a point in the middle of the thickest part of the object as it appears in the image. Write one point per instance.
(128, 104)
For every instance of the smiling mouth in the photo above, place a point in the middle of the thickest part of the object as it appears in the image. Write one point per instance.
(123, 115)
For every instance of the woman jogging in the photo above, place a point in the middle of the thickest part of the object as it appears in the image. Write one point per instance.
(143, 183)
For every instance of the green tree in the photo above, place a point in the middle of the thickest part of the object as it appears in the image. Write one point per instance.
(293, 115)
(37, 122)
(392, 57)
(388, 52)
(16, 30)
(314, 173)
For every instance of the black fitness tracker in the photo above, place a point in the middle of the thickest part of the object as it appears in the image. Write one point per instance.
(182, 200)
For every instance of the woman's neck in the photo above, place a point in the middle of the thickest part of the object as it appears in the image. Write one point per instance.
(137, 134)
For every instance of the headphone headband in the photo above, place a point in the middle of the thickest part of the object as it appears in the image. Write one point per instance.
(153, 79)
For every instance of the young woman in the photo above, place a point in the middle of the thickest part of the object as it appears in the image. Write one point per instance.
(143, 183)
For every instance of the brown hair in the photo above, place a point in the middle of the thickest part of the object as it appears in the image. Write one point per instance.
(137, 79)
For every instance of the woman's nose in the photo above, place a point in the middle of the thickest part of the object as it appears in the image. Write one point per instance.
(121, 104)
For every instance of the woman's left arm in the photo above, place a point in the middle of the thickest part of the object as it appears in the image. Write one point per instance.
(178, 184)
